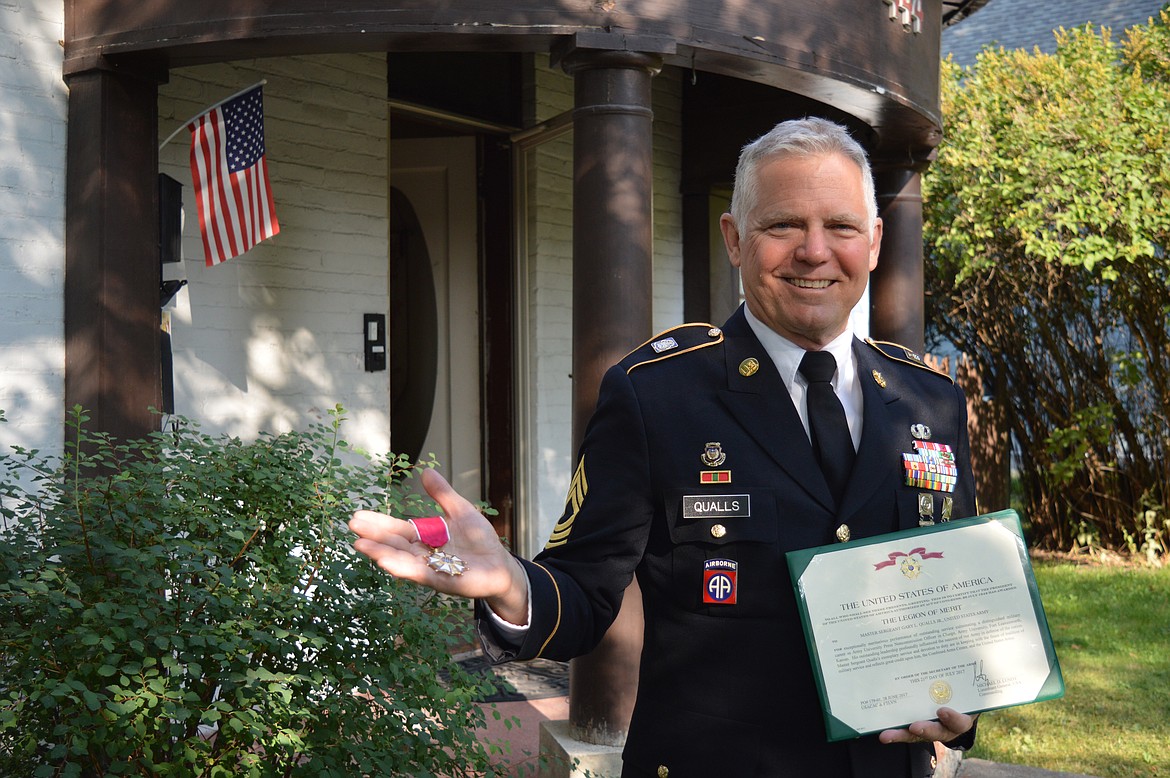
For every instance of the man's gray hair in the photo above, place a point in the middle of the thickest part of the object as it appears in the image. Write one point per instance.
(810, 136)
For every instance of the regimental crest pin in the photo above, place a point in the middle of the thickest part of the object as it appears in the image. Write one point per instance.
(713, 455)
(879, 379)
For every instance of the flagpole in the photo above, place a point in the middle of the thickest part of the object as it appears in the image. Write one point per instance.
(170, 137)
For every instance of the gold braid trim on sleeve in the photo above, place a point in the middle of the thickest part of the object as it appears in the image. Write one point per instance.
(556, 626)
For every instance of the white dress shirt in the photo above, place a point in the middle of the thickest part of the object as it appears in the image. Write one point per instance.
(786, 355)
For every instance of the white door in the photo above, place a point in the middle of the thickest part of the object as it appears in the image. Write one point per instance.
(437, 176)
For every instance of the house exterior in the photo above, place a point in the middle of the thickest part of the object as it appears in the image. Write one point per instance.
(358, 100)
(513, 194)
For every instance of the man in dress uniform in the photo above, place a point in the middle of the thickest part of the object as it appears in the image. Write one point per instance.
(713, 451)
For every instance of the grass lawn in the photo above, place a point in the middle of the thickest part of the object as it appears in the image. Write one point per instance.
(1111, 629)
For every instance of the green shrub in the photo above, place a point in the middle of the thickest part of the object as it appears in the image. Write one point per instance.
(1046, 236)
(191, 605)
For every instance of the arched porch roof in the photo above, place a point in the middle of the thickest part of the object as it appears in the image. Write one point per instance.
(863, 57)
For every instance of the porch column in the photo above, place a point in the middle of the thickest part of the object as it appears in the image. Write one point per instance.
(612, 251)
(112, 270)
(896, 286)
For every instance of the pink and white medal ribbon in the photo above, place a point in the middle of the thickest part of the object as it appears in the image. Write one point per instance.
(433, 531)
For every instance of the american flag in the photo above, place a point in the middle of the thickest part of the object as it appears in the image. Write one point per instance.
(232, 194)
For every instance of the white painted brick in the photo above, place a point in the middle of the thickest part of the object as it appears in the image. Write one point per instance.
(32, 224)
(271, 339)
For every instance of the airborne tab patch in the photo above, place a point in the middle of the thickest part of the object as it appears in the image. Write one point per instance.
(719, 581)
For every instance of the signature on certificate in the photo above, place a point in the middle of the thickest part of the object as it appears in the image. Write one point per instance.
(980, 677)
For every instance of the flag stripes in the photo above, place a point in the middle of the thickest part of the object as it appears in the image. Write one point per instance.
(230, 173)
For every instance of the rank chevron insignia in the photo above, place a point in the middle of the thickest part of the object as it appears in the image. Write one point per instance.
(576, 497)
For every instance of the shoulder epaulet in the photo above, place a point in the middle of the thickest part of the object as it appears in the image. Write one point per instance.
(900, 353)
(671, 343)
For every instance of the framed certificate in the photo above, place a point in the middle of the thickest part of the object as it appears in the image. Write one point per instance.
(902, 624)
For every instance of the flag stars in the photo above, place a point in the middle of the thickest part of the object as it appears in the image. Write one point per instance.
(244, 117)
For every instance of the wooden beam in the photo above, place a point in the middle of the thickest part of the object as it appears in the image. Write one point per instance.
(112, 272)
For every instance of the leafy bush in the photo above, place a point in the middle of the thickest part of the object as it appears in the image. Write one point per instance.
(190, 605)
(1047, 231)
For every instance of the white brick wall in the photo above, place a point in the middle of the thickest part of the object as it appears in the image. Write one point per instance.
(272, 339)
(32, 224)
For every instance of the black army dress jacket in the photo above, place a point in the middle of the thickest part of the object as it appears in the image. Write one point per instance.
(696, 456)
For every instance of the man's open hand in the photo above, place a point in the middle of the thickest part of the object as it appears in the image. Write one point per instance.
(492, 573)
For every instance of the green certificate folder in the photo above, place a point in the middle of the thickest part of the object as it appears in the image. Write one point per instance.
(902, 624)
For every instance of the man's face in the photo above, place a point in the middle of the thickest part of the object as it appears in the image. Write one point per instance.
(805, 252)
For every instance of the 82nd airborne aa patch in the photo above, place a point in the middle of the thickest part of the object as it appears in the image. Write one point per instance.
(719, 581)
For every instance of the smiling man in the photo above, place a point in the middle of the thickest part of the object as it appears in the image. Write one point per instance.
(805, 236)
(712, 453)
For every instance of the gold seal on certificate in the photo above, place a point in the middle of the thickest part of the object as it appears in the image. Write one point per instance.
(900, 624)
(940, 692)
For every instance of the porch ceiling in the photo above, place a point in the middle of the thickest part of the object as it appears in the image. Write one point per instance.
(831, 51)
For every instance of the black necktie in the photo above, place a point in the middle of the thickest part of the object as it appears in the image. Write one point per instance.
(826, 421)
